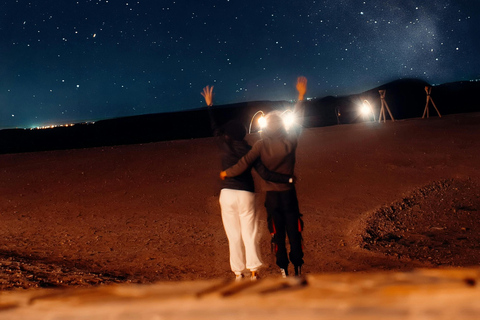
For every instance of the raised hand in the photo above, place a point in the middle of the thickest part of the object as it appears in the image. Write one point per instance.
(301, 87)
(208, 95)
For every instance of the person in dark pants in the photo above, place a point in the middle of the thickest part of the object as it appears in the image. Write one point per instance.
(277, 150)
(285, 220)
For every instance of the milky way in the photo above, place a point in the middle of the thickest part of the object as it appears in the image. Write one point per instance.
(71, 61)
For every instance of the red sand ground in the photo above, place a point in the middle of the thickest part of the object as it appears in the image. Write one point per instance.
(388, 196)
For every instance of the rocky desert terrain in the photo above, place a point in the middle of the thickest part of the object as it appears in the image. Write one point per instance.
(375, 196)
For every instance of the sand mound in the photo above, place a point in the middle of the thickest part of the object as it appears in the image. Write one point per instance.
(438, 223)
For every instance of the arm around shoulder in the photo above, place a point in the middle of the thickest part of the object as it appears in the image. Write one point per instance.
(246, 161)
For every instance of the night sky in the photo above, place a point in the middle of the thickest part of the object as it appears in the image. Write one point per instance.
(73, 61)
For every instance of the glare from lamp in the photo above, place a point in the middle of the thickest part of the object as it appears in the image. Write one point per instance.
(288, 118)
(262, 122)
(365, 110)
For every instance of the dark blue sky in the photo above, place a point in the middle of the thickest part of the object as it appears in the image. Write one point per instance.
(70, 61)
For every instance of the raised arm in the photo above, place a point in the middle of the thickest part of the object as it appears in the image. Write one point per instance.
(268, 175)
(299, 110)
(207, 94)
(244, 163)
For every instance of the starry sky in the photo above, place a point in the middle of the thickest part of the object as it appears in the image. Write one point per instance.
(73, 61)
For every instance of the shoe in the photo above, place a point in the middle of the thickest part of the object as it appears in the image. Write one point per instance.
(284, 272)
(298, 271)
(239, 277)
(255, 276)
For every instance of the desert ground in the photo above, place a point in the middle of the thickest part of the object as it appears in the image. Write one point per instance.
(374, 196)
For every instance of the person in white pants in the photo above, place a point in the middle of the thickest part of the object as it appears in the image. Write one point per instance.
(241, 226)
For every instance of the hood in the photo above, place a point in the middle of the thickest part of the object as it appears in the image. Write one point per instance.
(275, 127)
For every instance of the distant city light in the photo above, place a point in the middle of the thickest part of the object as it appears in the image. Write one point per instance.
(59, 125)
(52, 126)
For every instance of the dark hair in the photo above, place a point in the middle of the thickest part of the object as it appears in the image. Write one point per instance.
(235, 130)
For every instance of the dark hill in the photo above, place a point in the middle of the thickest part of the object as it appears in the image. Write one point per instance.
(406, 98)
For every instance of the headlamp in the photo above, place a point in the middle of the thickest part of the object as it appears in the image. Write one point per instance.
(262, 122)
(288, 118)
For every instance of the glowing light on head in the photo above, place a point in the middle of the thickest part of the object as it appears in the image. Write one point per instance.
(262, 122)
(288, 118)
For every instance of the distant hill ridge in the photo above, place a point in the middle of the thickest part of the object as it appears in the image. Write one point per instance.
(406, 98)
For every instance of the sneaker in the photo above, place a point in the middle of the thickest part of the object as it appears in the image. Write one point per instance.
(284, 272)
(298, 271)
(239, 277)
(255, 276)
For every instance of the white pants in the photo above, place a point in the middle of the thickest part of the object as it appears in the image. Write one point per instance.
(241, 226)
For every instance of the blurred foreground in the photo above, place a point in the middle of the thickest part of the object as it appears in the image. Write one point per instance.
(420, 294)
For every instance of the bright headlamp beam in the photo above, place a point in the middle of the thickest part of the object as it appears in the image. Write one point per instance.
(366, 109)
(288, 118)
(261, 121)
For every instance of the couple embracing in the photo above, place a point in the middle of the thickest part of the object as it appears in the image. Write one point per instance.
(273, 157)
